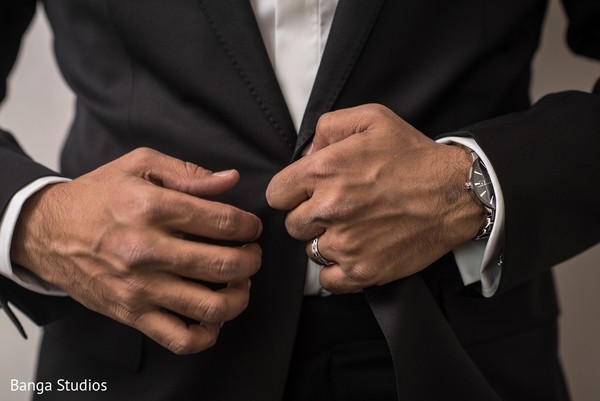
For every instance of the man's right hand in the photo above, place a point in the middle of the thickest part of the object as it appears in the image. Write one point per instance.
(114, 240)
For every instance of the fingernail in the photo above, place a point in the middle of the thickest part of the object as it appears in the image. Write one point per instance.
(224, 173)
(249, 283)
(221, 324)
(308, 150)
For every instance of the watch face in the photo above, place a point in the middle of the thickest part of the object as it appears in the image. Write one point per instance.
(482, 185)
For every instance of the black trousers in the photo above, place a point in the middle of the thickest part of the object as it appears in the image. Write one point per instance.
(340, 353)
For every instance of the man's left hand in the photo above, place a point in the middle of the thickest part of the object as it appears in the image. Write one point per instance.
(385, 200)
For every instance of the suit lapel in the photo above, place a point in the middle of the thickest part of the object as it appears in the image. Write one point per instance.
(235, 26)
(350, 29)
(399, 307)
(236, 29)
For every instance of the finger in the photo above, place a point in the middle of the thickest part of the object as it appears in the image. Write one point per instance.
(304, 232)
(178, 175)
(206, 262)
(190, 215)
(322, 250)
(338, 125)
(305, 222)
(342, 276)
(200, 303)
(173, 334)
(292, 185)
(336, 281)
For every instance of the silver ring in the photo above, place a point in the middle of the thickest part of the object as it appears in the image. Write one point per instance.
(316, 255)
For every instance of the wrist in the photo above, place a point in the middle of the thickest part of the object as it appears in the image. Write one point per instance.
(30, 236)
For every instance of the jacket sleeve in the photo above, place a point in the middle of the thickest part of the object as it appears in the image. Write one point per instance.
(583, 34)
(16, 168)
(547, 160)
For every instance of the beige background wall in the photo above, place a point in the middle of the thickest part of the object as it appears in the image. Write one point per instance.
(39, 108)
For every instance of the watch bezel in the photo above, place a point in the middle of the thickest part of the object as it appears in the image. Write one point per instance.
(479, 166)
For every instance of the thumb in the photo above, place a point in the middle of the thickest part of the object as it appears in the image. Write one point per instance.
(181, 176)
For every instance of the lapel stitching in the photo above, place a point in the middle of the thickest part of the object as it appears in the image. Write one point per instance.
(246, 80)
(348, 13)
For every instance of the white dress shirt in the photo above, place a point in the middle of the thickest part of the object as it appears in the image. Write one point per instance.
(295, 33)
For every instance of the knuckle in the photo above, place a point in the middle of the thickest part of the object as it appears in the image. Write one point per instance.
(124, 313)
(212, 309)
(128, 296)
(374, 114)
(226, 267)
(294, 224)
(376, 110)
(183, 345)
(360, 274)
(326, 211)
(136, 289)
(227, 222)
(188, 170)
(321, 168)
(147, 205)
(142, 154)
(192, 170)
(185, 342)
(133, 251)
(324, 123)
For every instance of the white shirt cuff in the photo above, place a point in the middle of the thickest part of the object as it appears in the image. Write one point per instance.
(8, 221)
(482, 260)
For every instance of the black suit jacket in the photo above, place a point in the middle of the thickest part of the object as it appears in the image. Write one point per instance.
(191, 78)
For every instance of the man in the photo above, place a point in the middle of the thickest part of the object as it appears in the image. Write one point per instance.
(142, 237)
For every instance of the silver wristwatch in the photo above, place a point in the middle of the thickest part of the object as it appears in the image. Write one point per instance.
(481, 185)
